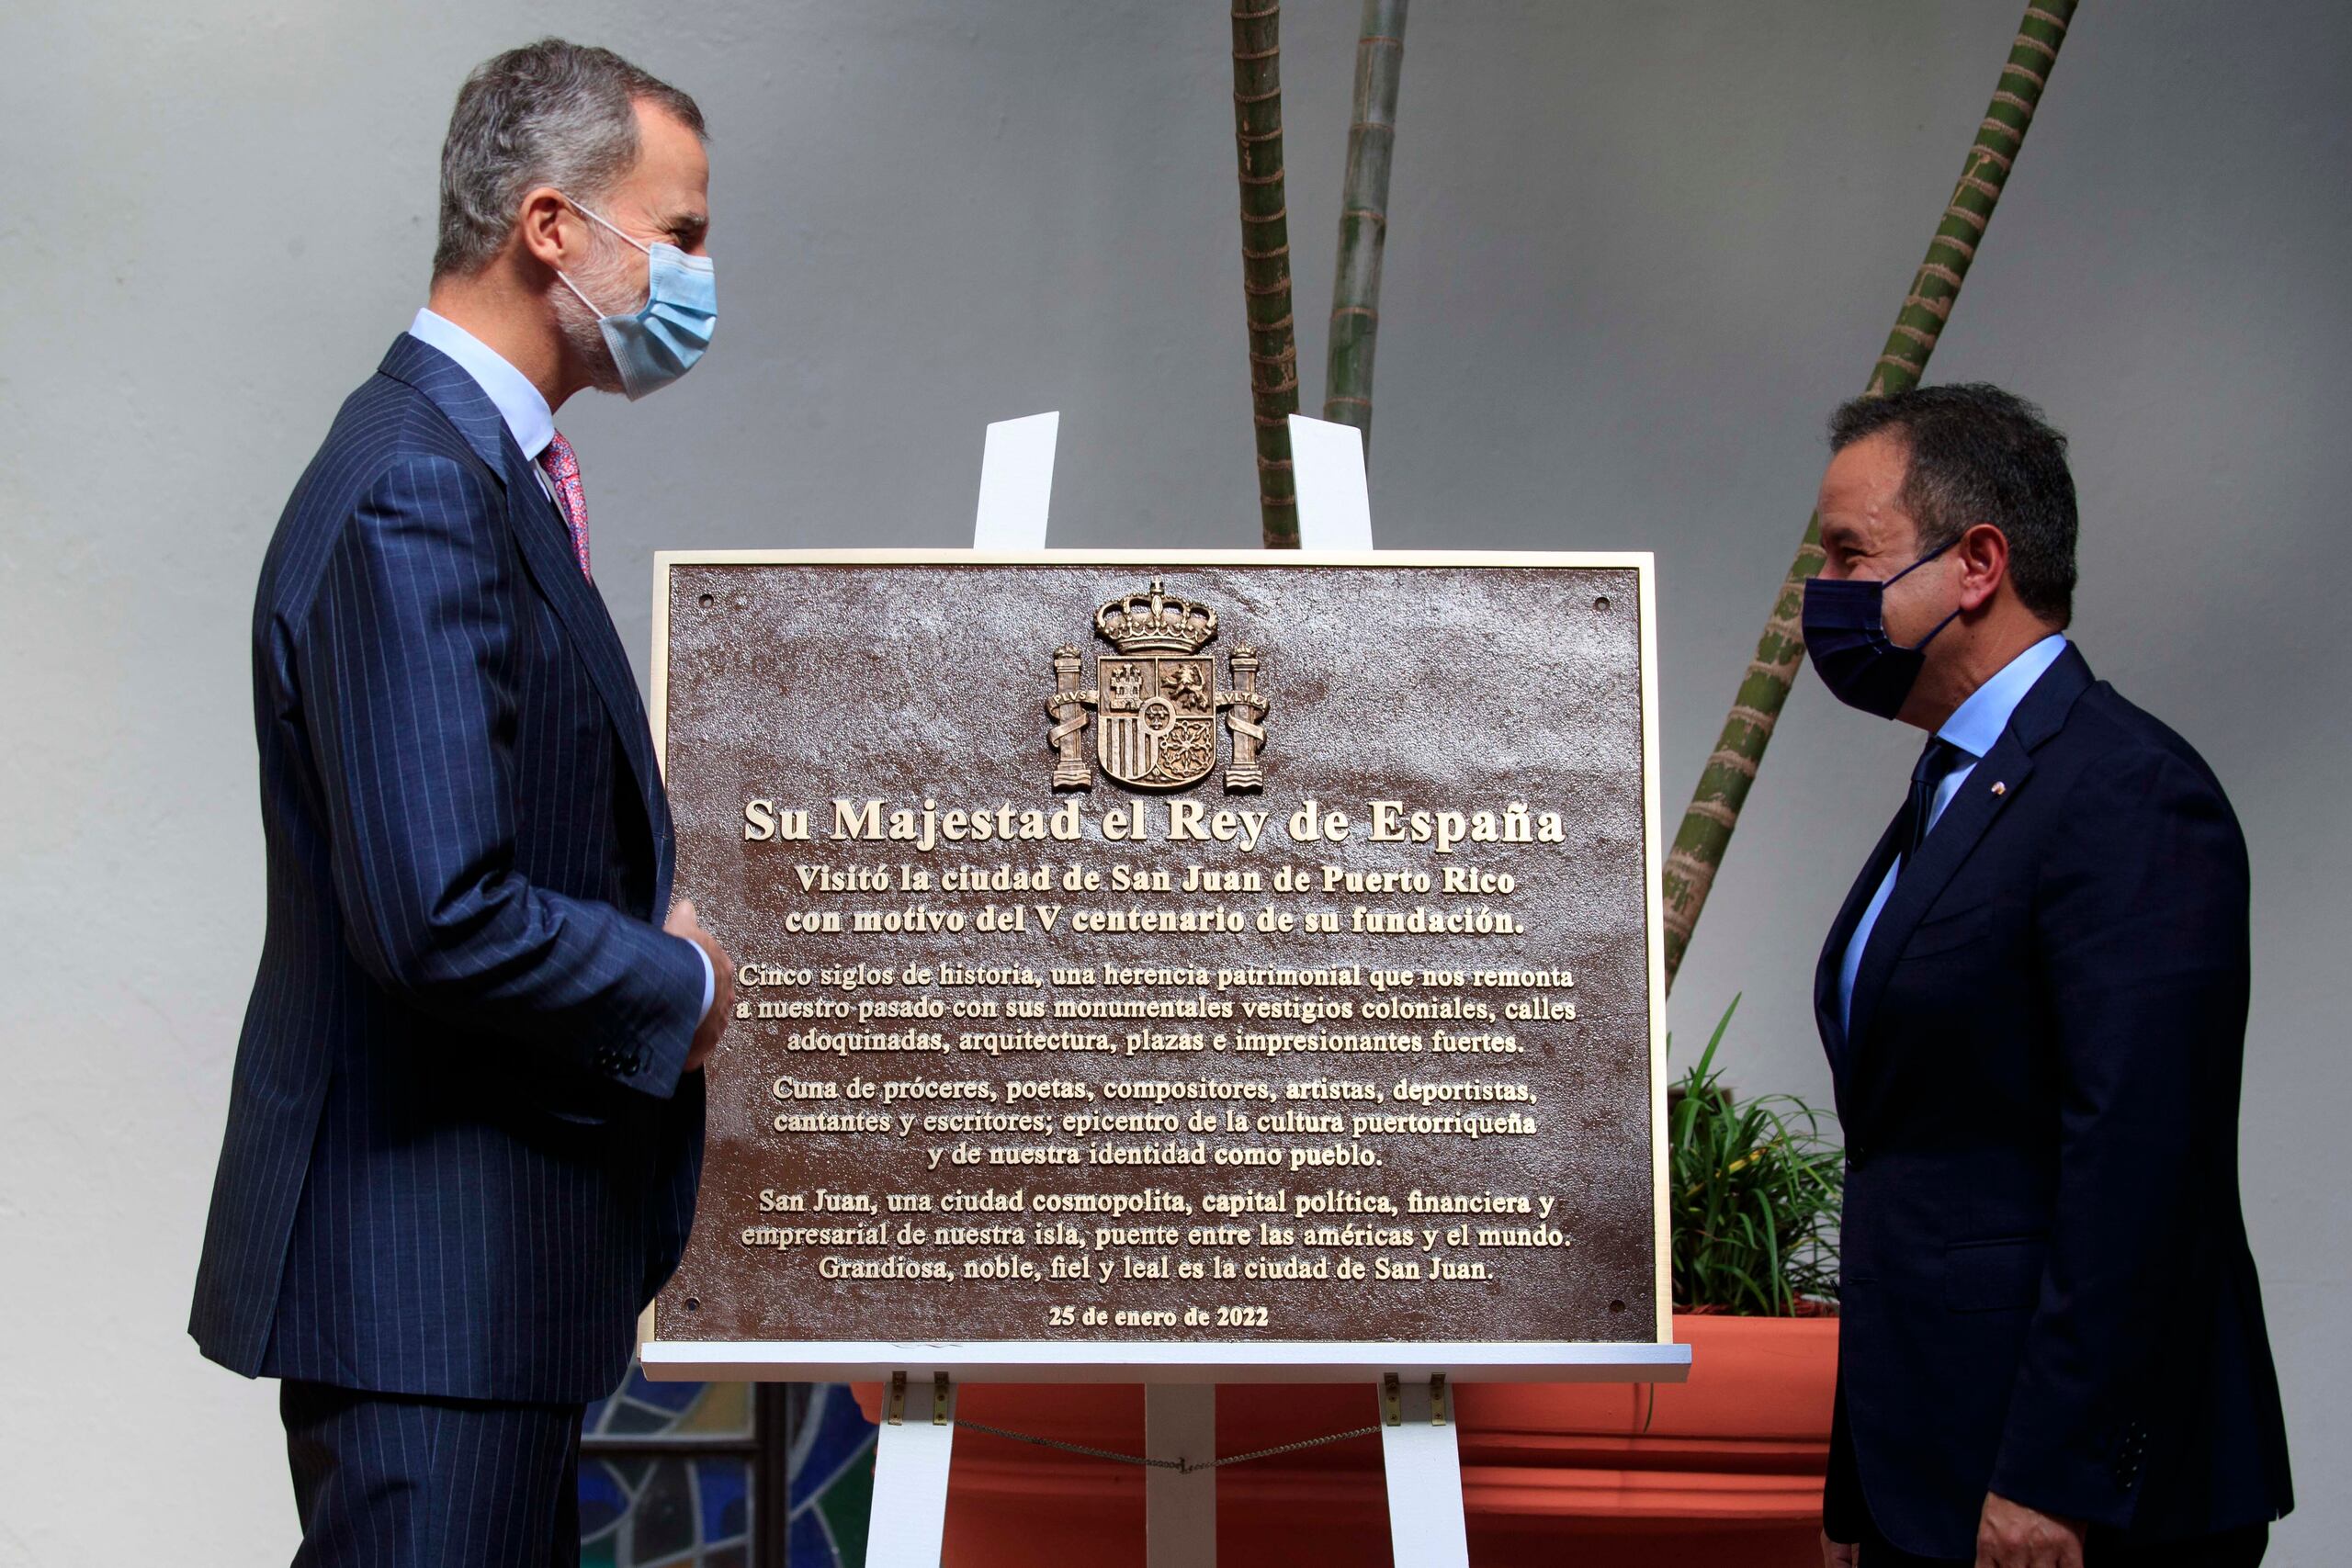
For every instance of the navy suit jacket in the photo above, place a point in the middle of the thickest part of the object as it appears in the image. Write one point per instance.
(2047, 1290)
(461, 1149)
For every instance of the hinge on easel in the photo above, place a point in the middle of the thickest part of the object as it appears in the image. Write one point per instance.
(895, 1413)
(1392, 1400)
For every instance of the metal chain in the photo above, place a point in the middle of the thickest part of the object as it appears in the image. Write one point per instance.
(1182, 1466)
(1287, 1447)
(1070, 1448)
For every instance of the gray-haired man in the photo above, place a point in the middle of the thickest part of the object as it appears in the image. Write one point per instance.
(466, 1124)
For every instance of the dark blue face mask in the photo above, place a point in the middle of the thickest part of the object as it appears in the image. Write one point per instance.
(1845, 636)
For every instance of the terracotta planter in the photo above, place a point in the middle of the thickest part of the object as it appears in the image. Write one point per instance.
(1728, 1469)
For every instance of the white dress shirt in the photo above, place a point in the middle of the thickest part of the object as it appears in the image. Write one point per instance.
(1975, 728)
(532, 424)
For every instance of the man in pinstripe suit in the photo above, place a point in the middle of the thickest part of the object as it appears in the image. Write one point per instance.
(466, 1122)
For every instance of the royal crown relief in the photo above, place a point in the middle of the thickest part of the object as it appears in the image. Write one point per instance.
(1157, 701)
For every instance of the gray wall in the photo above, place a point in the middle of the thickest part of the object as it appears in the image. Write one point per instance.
(1637, 252)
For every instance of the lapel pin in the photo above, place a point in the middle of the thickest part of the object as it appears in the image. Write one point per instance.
(2000, 789)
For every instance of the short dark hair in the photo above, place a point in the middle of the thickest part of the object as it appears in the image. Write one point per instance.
(550, 113)
(1977, 454)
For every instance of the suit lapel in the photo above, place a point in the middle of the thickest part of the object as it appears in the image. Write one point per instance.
(1841, 933)
(1946, 849)
(1994, 784)
(547, 554)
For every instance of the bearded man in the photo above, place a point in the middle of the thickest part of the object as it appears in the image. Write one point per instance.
(466, 1122)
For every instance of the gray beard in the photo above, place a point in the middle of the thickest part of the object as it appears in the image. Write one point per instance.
(605, 277)
(585, 339)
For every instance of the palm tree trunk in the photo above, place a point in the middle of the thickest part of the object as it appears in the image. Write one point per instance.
(1363, 219)
(1723, 783)
(1265, 259)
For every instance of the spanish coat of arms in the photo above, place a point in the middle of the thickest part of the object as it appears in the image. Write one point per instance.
(1156, 699)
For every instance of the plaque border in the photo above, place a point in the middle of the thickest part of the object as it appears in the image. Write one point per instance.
(1659, 1360)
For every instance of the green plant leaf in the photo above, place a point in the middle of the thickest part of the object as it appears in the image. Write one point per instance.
(1754, 1188)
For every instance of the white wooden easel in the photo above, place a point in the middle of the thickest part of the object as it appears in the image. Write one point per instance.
(1420, 1446)
(1418, 1434)
(1419, 1449)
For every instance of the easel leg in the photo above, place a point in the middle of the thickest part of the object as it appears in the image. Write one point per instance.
(911, 1458)
(1179, 1506)
(1424, 1465)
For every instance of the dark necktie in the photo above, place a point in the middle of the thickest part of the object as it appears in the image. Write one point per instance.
(1935, 764)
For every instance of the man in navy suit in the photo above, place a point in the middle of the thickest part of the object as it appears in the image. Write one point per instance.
(2051, 1344)
(467, 1119)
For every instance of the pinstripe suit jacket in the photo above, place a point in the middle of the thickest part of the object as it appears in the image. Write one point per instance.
(462, 1151)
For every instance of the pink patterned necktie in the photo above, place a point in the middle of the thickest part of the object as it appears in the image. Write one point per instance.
(563, 469)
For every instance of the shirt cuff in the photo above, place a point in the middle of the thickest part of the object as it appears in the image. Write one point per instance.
(709, 985)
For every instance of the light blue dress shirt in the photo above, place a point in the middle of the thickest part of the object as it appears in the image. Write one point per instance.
(518, 402)
(532, 424)
(1975, 727)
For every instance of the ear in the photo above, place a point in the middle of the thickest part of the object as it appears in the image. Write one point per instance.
(552, 234)
(1984, 555)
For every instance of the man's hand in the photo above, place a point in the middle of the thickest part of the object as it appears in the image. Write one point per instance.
(2010, 1535)
(683, 922)
(1839, 1553)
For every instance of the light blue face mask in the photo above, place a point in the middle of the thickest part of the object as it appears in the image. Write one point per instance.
(655, 345)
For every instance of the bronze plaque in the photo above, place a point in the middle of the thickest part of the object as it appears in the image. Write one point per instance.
(1187, 957)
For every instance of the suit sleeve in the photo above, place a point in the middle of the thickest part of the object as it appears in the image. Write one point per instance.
(406, 663)
(2143, 930)
(1845, 1515)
